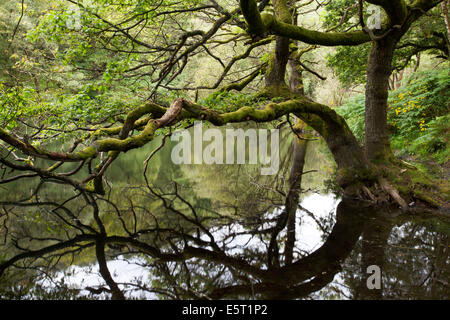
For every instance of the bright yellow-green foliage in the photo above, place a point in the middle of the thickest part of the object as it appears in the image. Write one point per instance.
(418, 115)
(414, 106)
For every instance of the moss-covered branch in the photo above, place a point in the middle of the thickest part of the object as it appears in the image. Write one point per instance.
(324, 120)
(251, 14)
(395, 9)
(261, 24)
(314, 37)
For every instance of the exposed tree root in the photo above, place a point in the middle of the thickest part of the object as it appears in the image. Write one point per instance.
(393, 192)
(368, 193)
(406, 187)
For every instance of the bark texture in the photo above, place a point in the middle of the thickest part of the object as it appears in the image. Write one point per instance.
(377, 89)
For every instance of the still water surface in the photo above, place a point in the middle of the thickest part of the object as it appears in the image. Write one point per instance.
(226, 215)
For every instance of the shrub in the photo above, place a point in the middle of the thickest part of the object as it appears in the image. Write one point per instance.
(418, 115)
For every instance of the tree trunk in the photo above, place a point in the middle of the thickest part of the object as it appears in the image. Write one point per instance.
(447, 23)
(378, 73)
(276, 72)
(275, 76)
(296, 77)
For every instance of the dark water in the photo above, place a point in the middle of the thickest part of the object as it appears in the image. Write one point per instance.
(199, 231)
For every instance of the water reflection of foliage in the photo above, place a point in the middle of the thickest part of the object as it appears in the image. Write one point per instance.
(185, 235)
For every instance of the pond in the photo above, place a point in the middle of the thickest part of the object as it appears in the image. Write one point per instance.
(216, 232)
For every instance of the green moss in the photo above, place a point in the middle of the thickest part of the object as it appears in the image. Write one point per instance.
(106, 132)
(415, 184)
(282, 11)
(277, 92)
(355, 176)
(84, 154)
(315, 37)
(253, 18)
(113, 144)
(421, 195)
(267, 19)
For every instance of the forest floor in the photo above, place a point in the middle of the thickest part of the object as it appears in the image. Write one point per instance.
(430, 166)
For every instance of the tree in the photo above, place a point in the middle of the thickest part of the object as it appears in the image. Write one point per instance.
(135, 63)
(98, 31)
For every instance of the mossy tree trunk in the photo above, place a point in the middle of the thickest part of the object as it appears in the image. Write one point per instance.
(377, 145)
(295, 68)
(275, 76)
(296, 77)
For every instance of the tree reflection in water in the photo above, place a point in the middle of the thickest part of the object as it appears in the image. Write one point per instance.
(192, 247)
